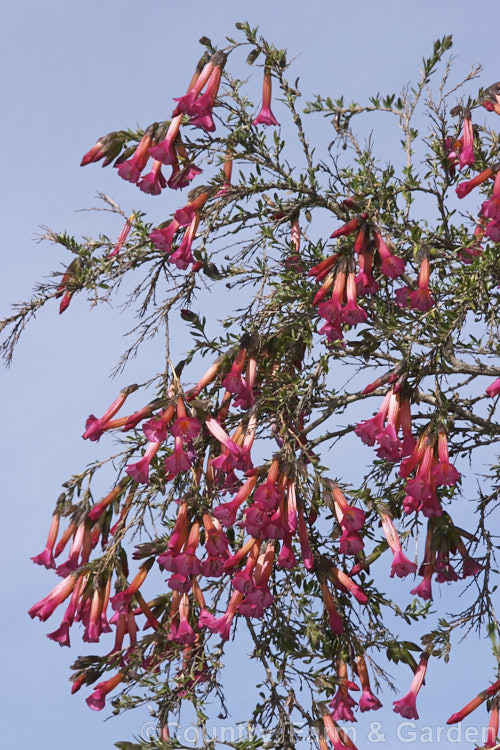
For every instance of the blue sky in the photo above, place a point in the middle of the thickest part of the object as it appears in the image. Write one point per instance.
(73, 72)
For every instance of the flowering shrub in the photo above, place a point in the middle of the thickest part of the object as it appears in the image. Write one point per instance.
(249, 519)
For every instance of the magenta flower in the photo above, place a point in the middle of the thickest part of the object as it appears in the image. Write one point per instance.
(265, 116)
(122, 238)
(154, 182)
(464, 188)
(155, 430)
(163, 238)
(46, 606)
(97, 700)
(164, 152)
(365, 283)
(94, 427)
(140, 470)
(350, 543)
(466, 156)
(401, 566)
(424, 589)
(370, 428)
(131, 169)
(352, 313)
(407, 706)
(187, 428)
(391, 265)
(46, 557)
(421, 298)
(178, 461)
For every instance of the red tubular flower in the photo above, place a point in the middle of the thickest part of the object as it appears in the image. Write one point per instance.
(96, 512)
(464, 188)
(390, 446)
(187, 428)
(96, 701)
(391, 265)
(491, 740)
(265, 116)
(407, 706)
(346, 229)
(200, 78)
(474, 703)
(120, 602)
(342, 581)
(108, 146)
(322, 269)
(336, 624)
(421, 298)
(305, 546)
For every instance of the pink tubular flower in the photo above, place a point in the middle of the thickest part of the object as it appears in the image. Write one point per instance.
(107, 146)
(390, 446)
(154, 182)
(391, 265)
(187, 428)
(365, 283)
(407, 706)
(491, 741)
(401, 566)
(182, 256)
(368, 701)
(96, 701)
(94, 427)
(226, 513)
(46, 606)
(350, 517)
(421, 298)
(464, 188)
(131, 169)
(443, 472)
(493, 389)
(370, 428)
(46, 557)
(178, 461)
(336, 624)
(466, 156)
(140, 470)
(164, 152)
(352, 313)
(163, 238)
(123, 236)
(265, 116)
(332, 309)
